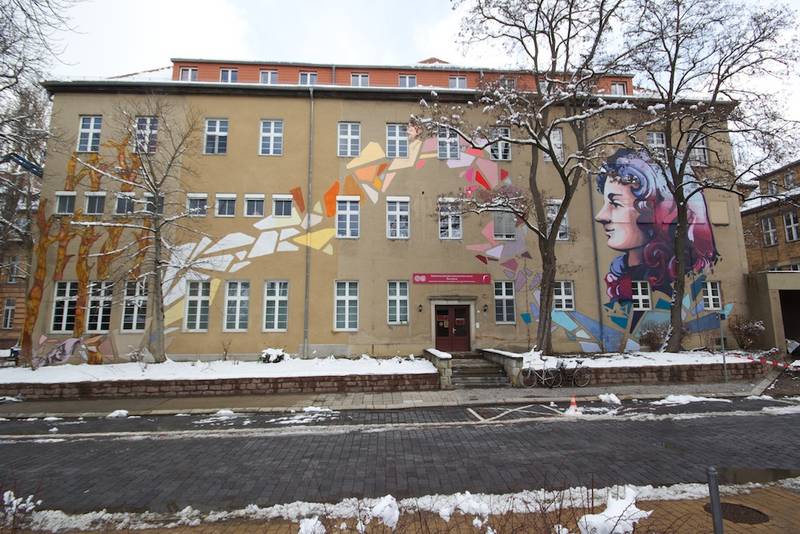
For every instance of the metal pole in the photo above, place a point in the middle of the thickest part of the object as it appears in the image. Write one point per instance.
(713, 494)
(722, 345)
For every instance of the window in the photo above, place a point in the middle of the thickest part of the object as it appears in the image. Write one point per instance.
(13, 270)
(563, 229)
(216, 136)
(772, 188)
(769, 231)
(99, 319)
(8, 314)
(197, 204)
(507, 83)
(308, 78)
(557, 142)
(271, 138)
(448, 143)
(89, 133)
(146, 135)
(619, 88)
(790, 224)
(505, 225)
(712, 296)
(65, 202)
(346, 306)
(254, 205)
(457, 82)
(66, 297)
(347, 217)
(151, 206)
(359, 79)
(640, 293)
(397, 302)
(95, 202)
(563, 295)
(788, 180)
(276, 305)
(237, 300)
(188, 74)
(794, 266)
(349, 139)
(407, 80)
(228, 75)
(699, 154)
(125, 204)
(504, 302)
(449, 220)
(501, 150)
(282, 205)
(134, 306)
(269, 77)
(197, 297)
(397, 211)
(396, 140)
(657, 143)
(226, 204)
(543, 87)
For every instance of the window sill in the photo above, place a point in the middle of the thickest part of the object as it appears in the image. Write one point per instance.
(255, 216)
(271, 155)
(215, 153)
(397, 238)
(347, 237)
(224, 216)
(345, 330)
(505, 323)
(186, 331)
(274, 330)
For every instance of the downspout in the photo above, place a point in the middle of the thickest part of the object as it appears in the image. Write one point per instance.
(309, 175)
(598, 293)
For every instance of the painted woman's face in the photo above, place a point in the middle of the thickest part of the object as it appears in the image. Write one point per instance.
(619, 216)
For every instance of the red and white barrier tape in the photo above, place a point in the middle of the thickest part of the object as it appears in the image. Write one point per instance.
(764, 361)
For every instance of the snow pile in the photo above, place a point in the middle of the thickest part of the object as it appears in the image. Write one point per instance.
(387, 511)
(118, 414)
(760, 397)
(440, 354)
(674, 400)
(17, 511)
(781, 410)
(9, 399)
(311, 414)
(619, 517)
(609, 398)
(311, 525)
(220, 369)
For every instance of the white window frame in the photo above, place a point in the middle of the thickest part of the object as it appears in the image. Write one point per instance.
(349, 301)
(507, 83)
(406, 80)
(394, 295)
(640, 295)
(657, 144)
(270, 75)
(226, 197)
(772, 187)
(196, 196)
(270, 140)
(279, 301)
(145, 134)
(557, 141)
(9, 308)
(769, 231)
(348, 139)
(457, 82)
(254, 197)
(102, 302)
(564, 295)
(151, 207)
(446, 219)
(712, 295)
(218, 134)
(501, 150)
(504, 300)
(394, 217)
(282, 198)
(93, 194)
(345, 228)
(228, 75)
(128, 199)
(188, 74)
(359, 79)
(563, 229)
(135, 295)
(310, 77)
(502, 222)
(789, 181)
(64, 194)
(396, 140)
(200, 301)
(699, 154)
(791, 226)
(91, 143)
(70, 297)
(241, 303)
(619, 88)
(448, 146)
(13, 270)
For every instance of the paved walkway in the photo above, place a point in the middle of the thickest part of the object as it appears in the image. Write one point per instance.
(368, 401)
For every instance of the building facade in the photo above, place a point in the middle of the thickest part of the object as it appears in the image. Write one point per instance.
(322, 225)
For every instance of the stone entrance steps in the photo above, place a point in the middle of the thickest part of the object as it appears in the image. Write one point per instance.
(470, 370)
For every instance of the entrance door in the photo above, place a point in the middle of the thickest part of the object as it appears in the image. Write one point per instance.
(452, 328)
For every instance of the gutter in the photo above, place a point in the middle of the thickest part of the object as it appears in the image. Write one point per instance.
(309, 176)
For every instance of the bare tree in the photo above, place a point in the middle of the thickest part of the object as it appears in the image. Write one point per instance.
(562, 46)
(710, 67)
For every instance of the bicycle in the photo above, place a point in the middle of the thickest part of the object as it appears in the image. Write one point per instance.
(579, 375)
(529, 377)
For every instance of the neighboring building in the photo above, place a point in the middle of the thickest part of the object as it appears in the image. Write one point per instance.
(13, 280)
(772, 235)
(317, 197)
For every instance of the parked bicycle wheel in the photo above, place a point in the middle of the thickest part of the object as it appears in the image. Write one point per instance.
(528, 377)
(549, 377)
(582, 377)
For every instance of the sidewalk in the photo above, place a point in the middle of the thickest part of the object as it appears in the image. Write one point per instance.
(368, 401)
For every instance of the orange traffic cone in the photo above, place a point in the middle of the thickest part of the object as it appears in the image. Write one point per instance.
(573, 404)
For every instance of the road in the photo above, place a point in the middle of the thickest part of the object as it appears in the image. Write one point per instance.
(226, 462)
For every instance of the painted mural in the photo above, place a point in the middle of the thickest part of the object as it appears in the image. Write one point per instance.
(635, 216)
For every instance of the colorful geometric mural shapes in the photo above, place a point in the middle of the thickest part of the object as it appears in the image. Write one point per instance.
(589, 347)
(581, 334)
(481, 258)
(351, 187)
(285, 246)
(367, 174)
(371, 193)
(697, 286)
(386, 181)
(527, 255)
(272, 222)
(420, 164)
(510, 264)
(430, 144)
(464, 160)
(509, 274)
(563, 320)
(621, 321)
(520, 281)
(242, 254)
(328, 249)
(503, 174)
(371, 152)
(216, 263)
(376, 183)
(299, 201)
(239, 265)
(489, 170)
(482, 181)
(234, 240)
(488, 232)
(173, 314)
(318, 207)
(313, 218)
(526, 317)
(477, 152)
(701, 324)
(265, 244)
(663, 304)
(631, 345)
(288, 232)
(404, 163)
(496, 252)
(483, 247)
(330, 199)
(469, 175)
(201, 246)
(316, 240)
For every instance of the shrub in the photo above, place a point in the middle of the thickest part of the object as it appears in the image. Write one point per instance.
(745, 331)
(653, 335)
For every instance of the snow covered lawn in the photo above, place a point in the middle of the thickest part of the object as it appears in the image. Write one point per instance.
(290, 367)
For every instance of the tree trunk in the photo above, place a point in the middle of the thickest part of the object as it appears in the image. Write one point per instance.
(679, 287)
(156, 338)
(544, 328)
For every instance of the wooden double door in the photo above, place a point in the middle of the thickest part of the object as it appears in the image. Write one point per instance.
(452, 328)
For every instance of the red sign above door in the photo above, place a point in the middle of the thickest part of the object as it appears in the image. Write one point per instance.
(451, 278)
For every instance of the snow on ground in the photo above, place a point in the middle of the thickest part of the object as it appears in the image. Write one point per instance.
(289, 367)
(609, 398)
(673, 400)
(619, 517)
(118, 414)
(440, 354)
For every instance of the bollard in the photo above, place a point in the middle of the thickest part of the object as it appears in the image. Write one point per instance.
(713, 494)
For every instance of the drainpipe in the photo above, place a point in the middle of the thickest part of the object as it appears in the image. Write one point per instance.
(598, 278)
(309, 175)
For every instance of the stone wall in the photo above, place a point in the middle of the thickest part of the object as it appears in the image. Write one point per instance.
(676, 374)
(233, 386)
